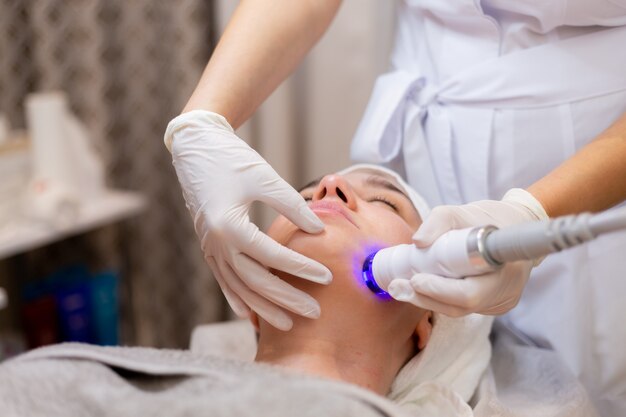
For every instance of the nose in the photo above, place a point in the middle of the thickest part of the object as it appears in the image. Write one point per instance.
(335, 186)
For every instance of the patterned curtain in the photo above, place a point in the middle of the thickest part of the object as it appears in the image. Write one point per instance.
(128, 68)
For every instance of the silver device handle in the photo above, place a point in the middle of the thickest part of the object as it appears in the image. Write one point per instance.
(533, 240)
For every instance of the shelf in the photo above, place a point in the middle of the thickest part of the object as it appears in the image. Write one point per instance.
(23, 235)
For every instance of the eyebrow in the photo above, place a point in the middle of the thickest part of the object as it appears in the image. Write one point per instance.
(376, 181)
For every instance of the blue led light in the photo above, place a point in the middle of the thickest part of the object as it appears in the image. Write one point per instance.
(368, 277)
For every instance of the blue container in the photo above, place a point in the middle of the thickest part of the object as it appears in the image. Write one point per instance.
(105, 308)
(74, 304)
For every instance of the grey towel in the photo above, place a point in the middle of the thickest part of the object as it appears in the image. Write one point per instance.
(82, 380)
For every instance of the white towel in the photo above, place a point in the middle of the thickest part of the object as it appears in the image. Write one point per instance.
(446, 373)
(439, 381)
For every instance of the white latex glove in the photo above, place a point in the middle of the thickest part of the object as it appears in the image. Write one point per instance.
(221, 176)
(492, 293)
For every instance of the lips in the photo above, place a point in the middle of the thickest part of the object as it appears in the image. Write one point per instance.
(333, 207)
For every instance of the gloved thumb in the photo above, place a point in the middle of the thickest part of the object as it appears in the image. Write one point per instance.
(288, 202)
(439, 221)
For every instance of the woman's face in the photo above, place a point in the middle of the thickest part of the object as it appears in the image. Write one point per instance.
(362, 212)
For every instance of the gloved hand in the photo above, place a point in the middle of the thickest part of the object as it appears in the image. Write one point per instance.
(492, 293)
(221, 176)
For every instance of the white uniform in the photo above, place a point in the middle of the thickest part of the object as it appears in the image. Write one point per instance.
(487, 96)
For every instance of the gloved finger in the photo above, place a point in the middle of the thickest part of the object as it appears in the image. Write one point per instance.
(463, 293)
(270, 253)
(440, 220)
(283, 198)
(268, 311)
(268, 285)
(234, 301)
(402, 290)
(500, 308)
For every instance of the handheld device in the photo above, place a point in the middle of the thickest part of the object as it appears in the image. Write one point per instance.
(477, 250)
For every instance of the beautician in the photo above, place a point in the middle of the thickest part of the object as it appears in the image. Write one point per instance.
(503, 111)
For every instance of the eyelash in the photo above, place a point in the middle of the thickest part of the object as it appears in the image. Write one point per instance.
(385, 201)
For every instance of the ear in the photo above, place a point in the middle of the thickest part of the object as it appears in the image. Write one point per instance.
(254, 319)
(424, 329)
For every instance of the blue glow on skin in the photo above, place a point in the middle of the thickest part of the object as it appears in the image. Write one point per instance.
(368, 277)
(363, 273)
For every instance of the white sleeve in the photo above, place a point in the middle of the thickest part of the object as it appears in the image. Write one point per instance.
(594, 12)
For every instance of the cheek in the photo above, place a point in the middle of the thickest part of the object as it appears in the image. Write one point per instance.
(387, 227)
(333, 244)
(281, 230)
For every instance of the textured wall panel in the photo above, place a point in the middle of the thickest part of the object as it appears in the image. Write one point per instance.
(127, 67)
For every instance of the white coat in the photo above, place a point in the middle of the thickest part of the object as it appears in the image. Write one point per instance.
(488, 95)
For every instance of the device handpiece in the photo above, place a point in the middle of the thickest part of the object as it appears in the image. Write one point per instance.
(475, 251)
(448, 256)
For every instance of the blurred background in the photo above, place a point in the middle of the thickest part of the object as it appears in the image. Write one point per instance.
(95, 241)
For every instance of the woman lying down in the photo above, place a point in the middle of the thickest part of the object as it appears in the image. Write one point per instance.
(365, 356)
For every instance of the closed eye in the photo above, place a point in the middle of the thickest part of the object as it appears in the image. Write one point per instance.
(384, 201)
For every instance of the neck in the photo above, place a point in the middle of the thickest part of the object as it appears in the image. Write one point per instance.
(369, 365)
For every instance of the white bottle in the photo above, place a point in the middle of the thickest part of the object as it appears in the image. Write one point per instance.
(62, 152)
